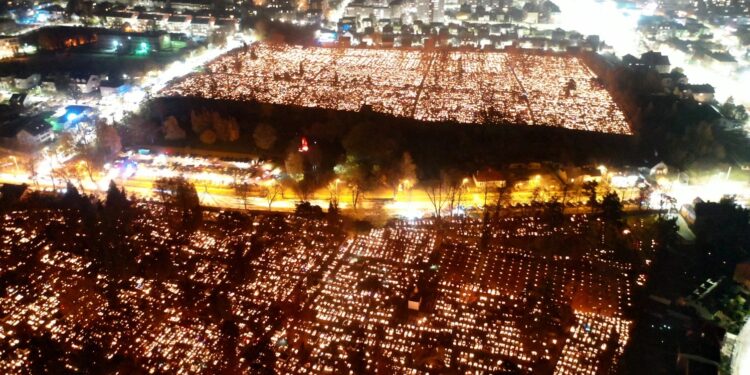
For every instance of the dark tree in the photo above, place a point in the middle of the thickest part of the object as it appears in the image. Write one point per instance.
(180, 194)
(612, 209)
(589, 187)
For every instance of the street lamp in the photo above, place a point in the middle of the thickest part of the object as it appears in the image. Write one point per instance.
(15, 161)
(406, 184)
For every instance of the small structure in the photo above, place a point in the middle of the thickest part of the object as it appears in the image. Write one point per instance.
(228, 26)
(202, 26)
(121, 19)
(35, 133)
(489, 178)
(415, 300)
(48, 85)
(6, 83)
(152, 21)
(660, 169)
(17, 100)
(651, 60)
(9, 47)
(179, 23)
(191, 5)
(656, 61)
(86, 84)
(591, 174)
(702, 93)
(26, 132)
(27, 82)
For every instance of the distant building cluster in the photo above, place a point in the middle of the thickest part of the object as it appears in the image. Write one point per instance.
(705, 40)
(196, 26)
(715, 8)
(449, 23)
(467, 87)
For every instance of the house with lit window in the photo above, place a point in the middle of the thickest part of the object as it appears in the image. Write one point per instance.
(120, 19)
(488, 178)
(202, 26)
(9, 46)
(228, 26)
(179, 23)
(26, 132)
(27, 82)
(152, 21)
(87, 83)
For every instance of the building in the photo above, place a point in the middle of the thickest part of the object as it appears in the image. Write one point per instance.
(660, 169)
(179, 23)
(228, 26)
(700, 93)
(650, 60)
(415, 300)
(202, 26)
(9, 47)
(120, 19)
(86, 84)
(656, 61)
(17, 100)
(26, 132)
(489, 178)
(7, 83)
(188, 5)
(48, 85)
(152, 22)
(580, 175)
(35, 133)
(27, 82)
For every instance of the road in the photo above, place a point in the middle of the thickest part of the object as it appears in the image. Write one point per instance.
(411, 204)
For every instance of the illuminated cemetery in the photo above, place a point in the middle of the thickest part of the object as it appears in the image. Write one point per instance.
(404, 298)
(462, 86)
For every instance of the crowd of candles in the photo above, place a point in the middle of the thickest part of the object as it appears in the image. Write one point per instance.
(149, 318)
(484, 306)
(491, 303)
(462, 86)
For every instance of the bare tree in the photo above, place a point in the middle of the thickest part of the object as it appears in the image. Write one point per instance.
(357, 177)
(403, 175)
(333, 191)
(273, 191)
(437, 192)
(453, 187)
(243, 190)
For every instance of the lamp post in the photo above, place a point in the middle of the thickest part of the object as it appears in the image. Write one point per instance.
(15, 161)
